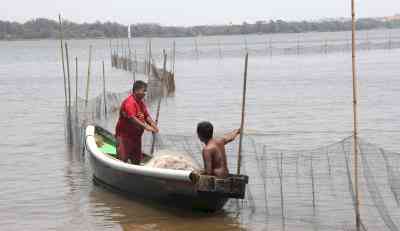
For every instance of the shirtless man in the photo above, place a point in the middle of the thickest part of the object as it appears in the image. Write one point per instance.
(214, 155)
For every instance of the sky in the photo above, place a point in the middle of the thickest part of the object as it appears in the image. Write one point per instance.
(189, 12)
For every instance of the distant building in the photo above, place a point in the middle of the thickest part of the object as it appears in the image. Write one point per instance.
(392, 18)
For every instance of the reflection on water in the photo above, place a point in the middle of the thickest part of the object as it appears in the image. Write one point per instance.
(135, 214)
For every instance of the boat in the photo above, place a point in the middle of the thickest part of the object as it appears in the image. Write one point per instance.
(183, 188)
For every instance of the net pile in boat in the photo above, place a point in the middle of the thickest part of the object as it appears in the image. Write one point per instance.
(168, 159)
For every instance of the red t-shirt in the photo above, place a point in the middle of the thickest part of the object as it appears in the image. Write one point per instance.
(132, 107)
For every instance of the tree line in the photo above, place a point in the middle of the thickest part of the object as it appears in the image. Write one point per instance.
(42, 28)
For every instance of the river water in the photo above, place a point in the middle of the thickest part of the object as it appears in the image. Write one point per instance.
(295, 101)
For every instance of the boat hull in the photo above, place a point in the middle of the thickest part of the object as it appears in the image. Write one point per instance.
(180, 191)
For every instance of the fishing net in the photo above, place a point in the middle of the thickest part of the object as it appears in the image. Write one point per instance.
(169, 159)
(309, 189)
(288, 189)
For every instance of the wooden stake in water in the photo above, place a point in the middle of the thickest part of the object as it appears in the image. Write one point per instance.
(326, 46)
(135, 67)
(111, 51)
(219, 49)
(160, 97)
(355, 114)
(270, 47)
(243, 114)
(173, 59)
(88, 76)
(104, 92)
(196, 48)
(150, 57)
(69, 95)
(76, 87)
(86, 98)
(62, 60)
(246, 49)
(298, 47)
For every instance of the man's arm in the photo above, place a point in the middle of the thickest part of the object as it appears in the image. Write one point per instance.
(229, 137)
(136, 121)
(152, 123)
(207, 161)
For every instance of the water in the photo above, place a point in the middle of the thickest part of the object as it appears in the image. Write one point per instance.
(294, 102)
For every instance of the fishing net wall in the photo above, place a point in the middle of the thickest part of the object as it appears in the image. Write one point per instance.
(293, 190)
(156, 76)
(308, 189)
(272, 45)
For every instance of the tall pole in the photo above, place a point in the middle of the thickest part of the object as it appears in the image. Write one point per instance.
(62, 60)
(86, 97)
(160, 97)
(243, 114)
(150, 58)
(76, 87)
(355, 114)
(88, 76)
(173, 59)
(69, 95)
(104, 92)
(135, 68)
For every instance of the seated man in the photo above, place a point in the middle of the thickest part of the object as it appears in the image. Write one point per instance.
(214, 155)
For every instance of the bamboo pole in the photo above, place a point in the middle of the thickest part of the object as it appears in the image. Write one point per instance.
(88, 76)
(312, 184)
(111, 52)
(173, 59)
(196, 48)
(270, 47)
(76, 87)
(150, 58)
(69, 95)
(159, 99)
(62, 60)
(326, 46)
(298, 47)
(219, 49)
(355, 114)
(86, 98)
(104, 92)
(243, 114)
(135, 70)
(117, 47)
(280, 172)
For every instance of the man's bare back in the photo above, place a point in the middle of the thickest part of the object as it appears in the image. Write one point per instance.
(214, 157)
(214, 154)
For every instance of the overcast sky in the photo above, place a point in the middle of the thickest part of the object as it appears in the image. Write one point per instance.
(189, 12)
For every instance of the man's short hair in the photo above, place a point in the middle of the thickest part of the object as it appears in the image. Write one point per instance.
(205, 130)
(139, 84)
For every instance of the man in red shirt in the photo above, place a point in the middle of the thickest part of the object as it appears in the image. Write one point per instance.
(133, 120)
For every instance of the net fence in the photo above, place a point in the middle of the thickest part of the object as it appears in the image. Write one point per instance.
(313, 189)
(288, 189)
(220, 47)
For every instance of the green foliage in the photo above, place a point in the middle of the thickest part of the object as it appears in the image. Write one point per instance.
(44, 28)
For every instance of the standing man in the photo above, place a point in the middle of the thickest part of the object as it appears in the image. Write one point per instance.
(133, 120)
(214, 155)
